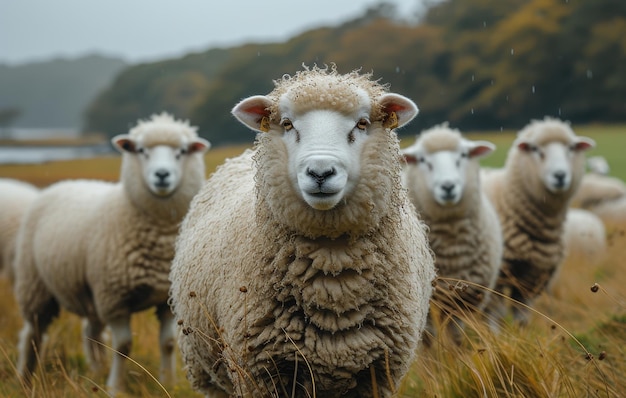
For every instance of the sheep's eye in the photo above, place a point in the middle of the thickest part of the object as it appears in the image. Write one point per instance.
(421, 159)
(141, 150)
(464, 155)
(287, 125)
(362, 124)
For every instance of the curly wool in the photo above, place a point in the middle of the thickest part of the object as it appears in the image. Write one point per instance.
(163, 129)
(145, 230)
(465, 238)
(325, 88)
(531, 217)
(103, 251)
(287, 288)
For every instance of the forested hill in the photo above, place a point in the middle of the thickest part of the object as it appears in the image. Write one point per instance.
(480, 64)
(53, 94)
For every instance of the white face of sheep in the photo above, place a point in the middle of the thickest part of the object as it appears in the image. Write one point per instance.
(444, 171)
(324, 146)
(555, 161)
(162, 165)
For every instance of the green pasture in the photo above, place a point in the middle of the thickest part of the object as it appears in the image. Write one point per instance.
(610, 143)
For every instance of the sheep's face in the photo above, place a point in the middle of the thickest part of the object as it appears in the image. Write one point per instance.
(445, 172)
(323, 144)
(558, 162)
(324, 150)
(161, 165)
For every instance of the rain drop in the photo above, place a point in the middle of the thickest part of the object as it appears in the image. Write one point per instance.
(397, 69)
(559, 111)
(533, 89)
(589, 74)
(258, 53)
(501, 129)
(484, 24)
(472, 111)
(472, 77)
(512, 52)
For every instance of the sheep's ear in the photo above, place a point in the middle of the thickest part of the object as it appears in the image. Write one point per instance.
(583, 143)
(479, 149)
(525, 146)
(408, 155)
(399, 110)
(199, 145)
(124, 143)
(409, 158)
(254, 112)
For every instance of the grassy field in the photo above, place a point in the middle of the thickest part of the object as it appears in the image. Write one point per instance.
(574, 346)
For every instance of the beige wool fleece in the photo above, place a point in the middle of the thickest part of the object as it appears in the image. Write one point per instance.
(531, 217)
(263, 285)
(465, 238)
(15, 197)
(103, 249)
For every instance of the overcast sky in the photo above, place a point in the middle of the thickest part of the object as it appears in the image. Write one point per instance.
(146, 30)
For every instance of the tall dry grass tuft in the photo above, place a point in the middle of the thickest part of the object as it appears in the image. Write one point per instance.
(574, 345)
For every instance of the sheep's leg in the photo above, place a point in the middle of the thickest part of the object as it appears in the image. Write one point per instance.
(34, 328)
(455, 329)
(521, 315)
(92, 343)
(166, 341)
(520, 311)
(122, 342)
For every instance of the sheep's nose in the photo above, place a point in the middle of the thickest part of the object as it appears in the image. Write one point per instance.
(560, 177)
(162, 174)
(448, 187)
(321, 176)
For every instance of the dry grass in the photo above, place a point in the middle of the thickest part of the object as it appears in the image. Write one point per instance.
(574, 346)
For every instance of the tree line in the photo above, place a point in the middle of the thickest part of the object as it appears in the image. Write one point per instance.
(479, 64)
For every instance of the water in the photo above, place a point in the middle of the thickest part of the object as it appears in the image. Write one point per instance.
(24, 154)
(42, 154)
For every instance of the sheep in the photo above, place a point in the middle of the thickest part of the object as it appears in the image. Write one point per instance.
(15, 196)
(584, 236)
(302, 264)
(531, 195)
(598, 165)
(442, 176)
(596, 189)
(103, 250)
(585, 242)
(605, 196)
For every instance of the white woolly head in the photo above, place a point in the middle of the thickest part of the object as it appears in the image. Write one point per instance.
(324, 120)
(444, 163)
(550, 149)
(598, 165)
(159, 149)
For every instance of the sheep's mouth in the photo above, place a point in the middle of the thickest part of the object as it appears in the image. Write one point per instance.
(322, 195)
(162, 190)
(322, 200)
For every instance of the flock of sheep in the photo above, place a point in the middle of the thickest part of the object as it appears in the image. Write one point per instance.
(308, 265)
